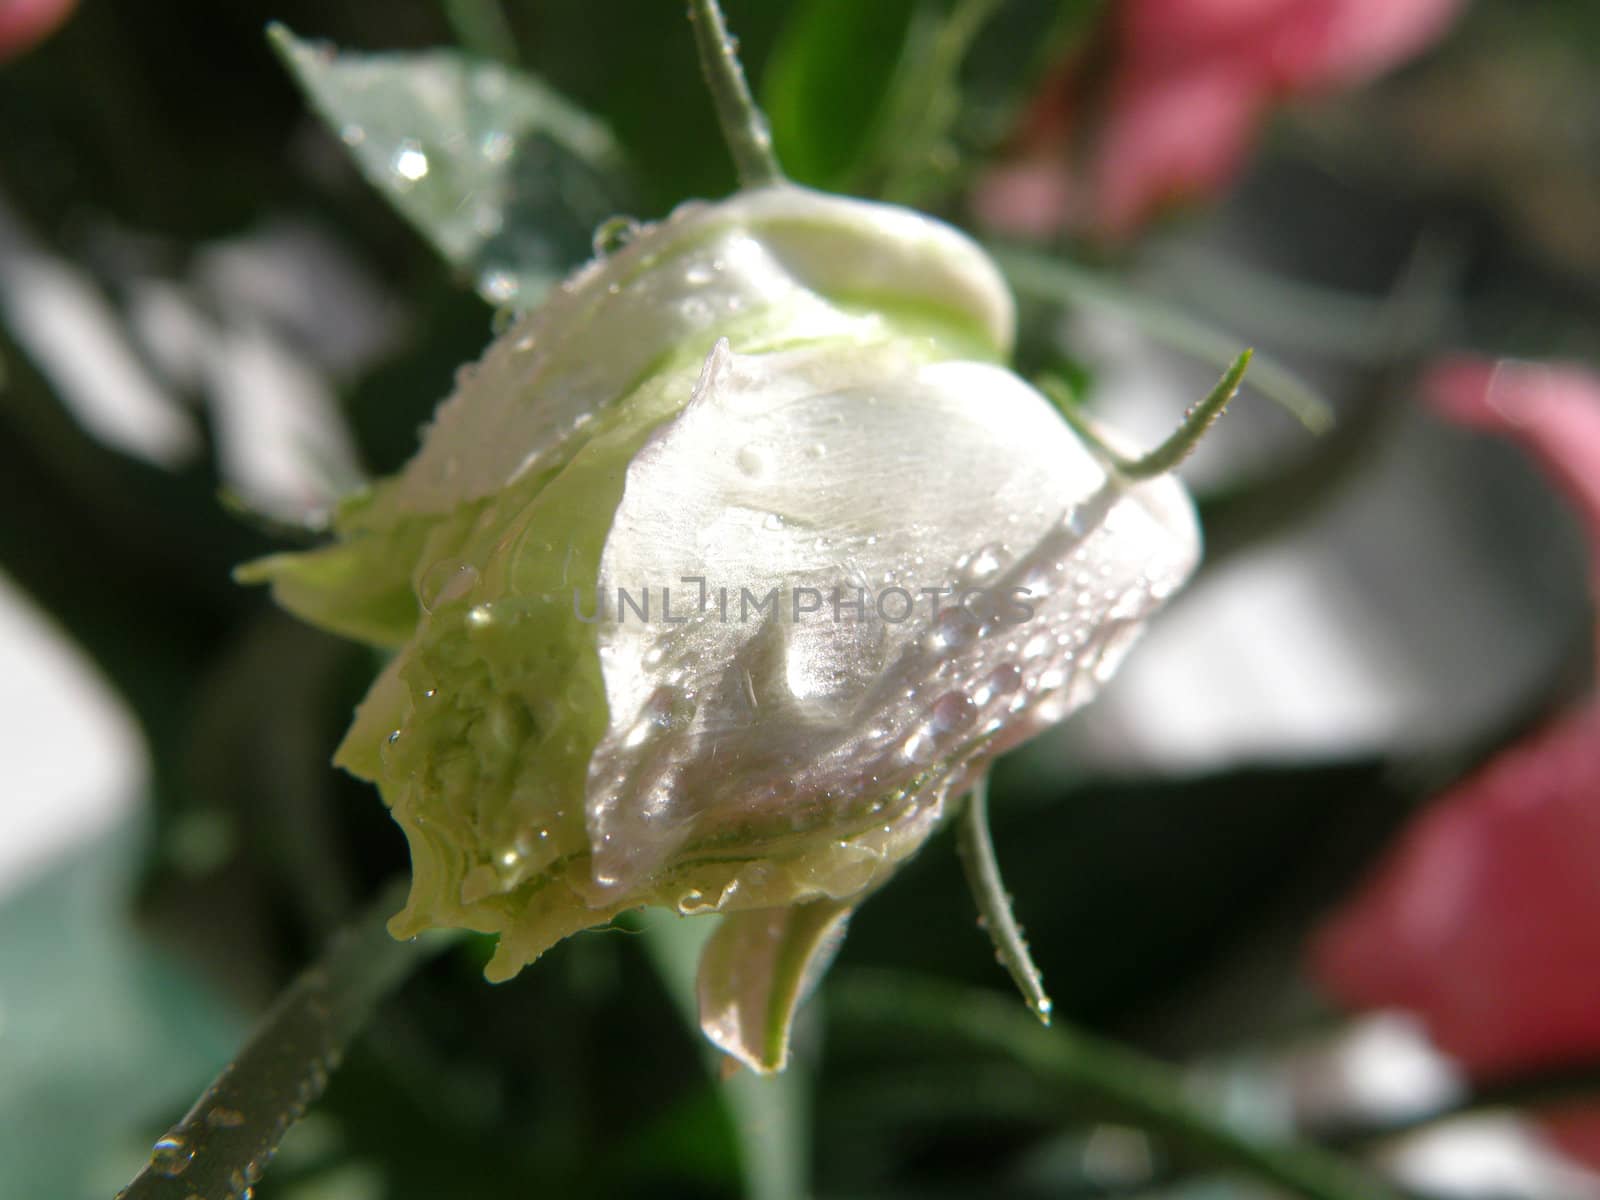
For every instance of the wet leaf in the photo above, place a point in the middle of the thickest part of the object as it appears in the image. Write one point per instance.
(502, 174)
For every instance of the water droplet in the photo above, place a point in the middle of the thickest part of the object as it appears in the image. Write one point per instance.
(952, 712)
(1001, 681)
(773, 522)
(613, 234)
(445, 581)
(496, 146)
(984, 562)
(171, 1156)
(499, 286)
(919, 747)
(752, 461)
(409, 162)
(480, 616)
(352, 134)
(699, 275)
(953, 629)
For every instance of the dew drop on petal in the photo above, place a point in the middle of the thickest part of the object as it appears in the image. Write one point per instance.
(984, 562)
(613, 234)
(953, 629)
(952, 712)
(445, 581)
(752, 461)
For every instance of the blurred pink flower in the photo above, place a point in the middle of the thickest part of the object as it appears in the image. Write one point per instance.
(1552, 409)
(26, 22)
(1189, 83)
(1485, 919)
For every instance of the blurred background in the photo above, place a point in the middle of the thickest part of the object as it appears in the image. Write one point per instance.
(1330, 844)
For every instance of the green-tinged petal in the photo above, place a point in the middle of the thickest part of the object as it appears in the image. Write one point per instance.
(784, 399)
(349, 588)
(755, 972)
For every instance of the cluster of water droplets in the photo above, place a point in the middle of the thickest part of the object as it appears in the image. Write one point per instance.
(945, 695)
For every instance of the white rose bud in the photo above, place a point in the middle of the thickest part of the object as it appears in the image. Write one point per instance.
(719, 580)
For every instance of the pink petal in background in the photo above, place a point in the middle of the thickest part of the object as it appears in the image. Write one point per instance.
(1169, 138)
(1551, 409)
(25, 22)
(1485, 919)
(1189, 83)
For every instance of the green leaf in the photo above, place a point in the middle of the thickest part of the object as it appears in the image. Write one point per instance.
(503, 175)
(827, 81)
(1097, 1075)
(912, 148)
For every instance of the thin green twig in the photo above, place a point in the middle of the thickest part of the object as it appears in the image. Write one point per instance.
(925, 99)
(1093, 1072)
(1061, 283)
(744, 127)
(1176, 448)
(994, 905)
(222, 1146)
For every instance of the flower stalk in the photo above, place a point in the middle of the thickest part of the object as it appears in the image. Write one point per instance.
(744, 127)
(994, 904)
(223, 1144)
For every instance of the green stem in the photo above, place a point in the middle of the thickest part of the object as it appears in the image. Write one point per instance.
(922, 111)
(1058, 282)
(1093, 1071)
(1176, 448)
(994, 905)
(222, 1146)
(744, 127)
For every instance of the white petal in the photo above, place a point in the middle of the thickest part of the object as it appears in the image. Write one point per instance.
(823, 469)
(782, 259)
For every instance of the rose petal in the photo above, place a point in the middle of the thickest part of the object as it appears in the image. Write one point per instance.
(822, 470)
(1170, 137)
(25, 23)
(1552, 409)
(1485, 919)
(755, 972)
